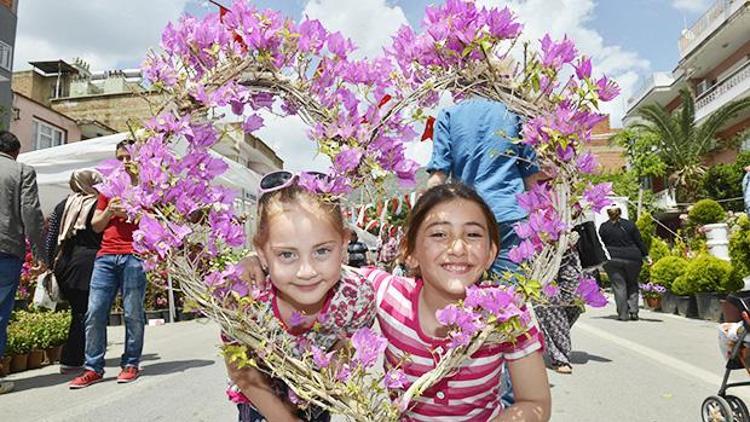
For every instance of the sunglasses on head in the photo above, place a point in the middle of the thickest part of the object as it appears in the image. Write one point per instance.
(281, 179)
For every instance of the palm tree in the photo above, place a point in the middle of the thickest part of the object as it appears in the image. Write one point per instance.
(681, 143)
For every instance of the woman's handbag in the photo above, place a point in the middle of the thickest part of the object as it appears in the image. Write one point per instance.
(47, 291)
(589, 246)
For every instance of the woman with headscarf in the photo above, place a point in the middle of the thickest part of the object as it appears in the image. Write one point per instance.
(627, 253)
(72, 245)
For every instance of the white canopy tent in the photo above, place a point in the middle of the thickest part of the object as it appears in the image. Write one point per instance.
(54, 165)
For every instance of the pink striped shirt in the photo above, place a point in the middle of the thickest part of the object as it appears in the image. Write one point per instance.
(473, 392)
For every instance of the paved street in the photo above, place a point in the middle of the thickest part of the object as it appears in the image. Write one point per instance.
(657, 369)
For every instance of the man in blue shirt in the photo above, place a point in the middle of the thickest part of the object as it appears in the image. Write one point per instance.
(473, 143)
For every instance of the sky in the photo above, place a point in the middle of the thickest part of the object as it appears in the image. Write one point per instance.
(627, 39)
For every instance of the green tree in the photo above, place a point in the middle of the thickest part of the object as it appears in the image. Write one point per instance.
(681, 143)
(640, 150)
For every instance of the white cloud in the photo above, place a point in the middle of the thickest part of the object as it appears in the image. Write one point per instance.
(103, 33)
(369, 23)
(692, 6)
(288, 138)
(356, 20)
(571, 18)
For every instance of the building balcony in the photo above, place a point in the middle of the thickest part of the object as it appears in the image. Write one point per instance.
(719, 13)
(733, 87)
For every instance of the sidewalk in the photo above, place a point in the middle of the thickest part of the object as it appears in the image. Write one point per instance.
(183, 379)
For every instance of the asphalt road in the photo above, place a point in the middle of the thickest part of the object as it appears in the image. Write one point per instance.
(657, 369)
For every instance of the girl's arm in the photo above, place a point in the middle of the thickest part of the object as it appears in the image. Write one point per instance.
(255, 386)
(531, 390)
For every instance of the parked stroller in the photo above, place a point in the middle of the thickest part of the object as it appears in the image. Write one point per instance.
(724, 407)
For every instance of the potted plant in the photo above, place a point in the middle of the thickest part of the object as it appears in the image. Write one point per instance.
(708, 216)
(712, 278)
(20, 345)
(663, 273)
(652, 294)
(684, 291)
(58, 323)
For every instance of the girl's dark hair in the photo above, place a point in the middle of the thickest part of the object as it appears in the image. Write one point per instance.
(436, 196)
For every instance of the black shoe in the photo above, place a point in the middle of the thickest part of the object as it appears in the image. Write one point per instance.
(623, 318)
(634, 317)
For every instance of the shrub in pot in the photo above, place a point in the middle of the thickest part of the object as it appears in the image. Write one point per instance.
(19, 344)
(684, 291)
(739, 248)
(712, 279)
(664, 272)
(706, 211)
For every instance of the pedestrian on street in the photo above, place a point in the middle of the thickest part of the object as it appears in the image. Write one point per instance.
(20, 218)
(746, 189)
(357, 252)
(557, 317)
(116, 268)
(473, 144)
(627, 252)
(72, 245)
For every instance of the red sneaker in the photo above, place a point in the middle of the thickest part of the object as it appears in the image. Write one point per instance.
(128, 374)
(84, 380)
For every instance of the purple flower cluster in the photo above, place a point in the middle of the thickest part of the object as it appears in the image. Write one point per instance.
(652, 290)
(590, 292)
(368, 346)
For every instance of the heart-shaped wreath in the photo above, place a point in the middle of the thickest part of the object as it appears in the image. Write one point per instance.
(361, 113)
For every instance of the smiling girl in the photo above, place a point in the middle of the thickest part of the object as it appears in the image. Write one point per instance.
(301, 240)
(451, 241)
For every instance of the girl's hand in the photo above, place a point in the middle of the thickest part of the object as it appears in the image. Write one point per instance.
(531, 389)
(252, 271)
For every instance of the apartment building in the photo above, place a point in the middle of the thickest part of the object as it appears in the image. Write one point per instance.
(8, 9)
(59, 102)
(715, 65)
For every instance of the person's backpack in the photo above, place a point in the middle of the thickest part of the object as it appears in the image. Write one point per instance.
(589, 246)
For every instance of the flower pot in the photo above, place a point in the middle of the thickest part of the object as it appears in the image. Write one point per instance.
(709, 306)
(21, 304)
(155, 314)
(115, 318)
(687, 307)
(36, 357)
(5, 368)
(669, 303)
(717, 240)
(185, 316)
(53, 354)
(19, 362)
(653, 303)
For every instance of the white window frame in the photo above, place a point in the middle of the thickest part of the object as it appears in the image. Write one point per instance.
(53, 138)
(6, 56)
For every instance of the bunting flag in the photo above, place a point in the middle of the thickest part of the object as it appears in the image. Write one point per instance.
(223, 12)
(429, 129)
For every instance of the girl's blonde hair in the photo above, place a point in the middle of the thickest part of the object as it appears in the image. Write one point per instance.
(273, 203)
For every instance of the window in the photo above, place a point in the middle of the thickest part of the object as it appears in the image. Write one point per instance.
(6, 56)
(46, 135)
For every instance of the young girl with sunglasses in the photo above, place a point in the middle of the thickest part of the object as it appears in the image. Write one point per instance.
(451, 240)
(301, 240)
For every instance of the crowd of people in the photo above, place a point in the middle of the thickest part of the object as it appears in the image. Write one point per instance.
(89, 249)
(459, 232)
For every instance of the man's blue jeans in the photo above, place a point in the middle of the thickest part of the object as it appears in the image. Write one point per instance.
(112, 273)
(10, 275)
